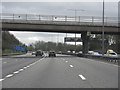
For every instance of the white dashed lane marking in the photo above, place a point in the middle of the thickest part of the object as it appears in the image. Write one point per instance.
(16, 72)
(71, 65)
(1, 80)
(66, 61)
(21, 70)
(28, 66)
(25, 67)
(82, 77)
(10, 75)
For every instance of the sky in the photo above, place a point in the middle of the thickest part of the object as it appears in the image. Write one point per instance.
(59, 0)
(90, 8)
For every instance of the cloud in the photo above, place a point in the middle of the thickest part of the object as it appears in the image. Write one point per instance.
(60, 8)
(32, 37)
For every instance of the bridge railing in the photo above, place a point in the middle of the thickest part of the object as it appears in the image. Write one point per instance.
(109, 21)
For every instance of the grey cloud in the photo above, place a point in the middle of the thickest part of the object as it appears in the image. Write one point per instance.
(61, 8)
(38, 34)
(31, 37)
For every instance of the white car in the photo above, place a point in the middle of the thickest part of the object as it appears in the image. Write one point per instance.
(95, 53)
(33, 53)
(90, 52)
(112, 54)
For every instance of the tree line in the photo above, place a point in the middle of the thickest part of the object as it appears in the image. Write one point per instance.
(9, 40)
(52, 46)
(111, 42)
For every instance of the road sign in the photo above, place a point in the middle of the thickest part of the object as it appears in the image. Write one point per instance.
(72, 39)
(18, 47)
(97, 40)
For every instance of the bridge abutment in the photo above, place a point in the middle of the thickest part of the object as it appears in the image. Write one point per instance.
(85, 42)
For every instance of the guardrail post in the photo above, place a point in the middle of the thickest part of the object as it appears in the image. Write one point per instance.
(92, 20)
(26, 17)
(13, 17)
(65, 18)
(52, 18)
(39, 18)
(1, 16)
(106, 20)
(79, 19)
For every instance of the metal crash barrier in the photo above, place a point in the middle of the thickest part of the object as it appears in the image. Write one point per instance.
(112, 59)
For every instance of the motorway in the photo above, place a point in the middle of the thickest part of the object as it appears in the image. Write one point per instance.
(63, 71)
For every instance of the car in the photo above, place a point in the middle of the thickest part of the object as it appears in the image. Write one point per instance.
(39, 53)
(114, 54)
(60, 52)
(33, 53)
(111, 53)
(79, 54)
(52, 54)
(90, 52)
(95, 53)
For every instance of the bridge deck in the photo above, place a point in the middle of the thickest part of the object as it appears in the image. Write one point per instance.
(52, 23)
(55, 19)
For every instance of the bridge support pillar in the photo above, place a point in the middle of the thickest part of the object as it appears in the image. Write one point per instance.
(85, 42)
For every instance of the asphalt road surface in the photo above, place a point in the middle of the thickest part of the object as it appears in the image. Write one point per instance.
(63, 71)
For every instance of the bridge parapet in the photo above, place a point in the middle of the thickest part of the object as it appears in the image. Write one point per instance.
(55, 19)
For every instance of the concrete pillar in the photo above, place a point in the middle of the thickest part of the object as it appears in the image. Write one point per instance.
(85, 42)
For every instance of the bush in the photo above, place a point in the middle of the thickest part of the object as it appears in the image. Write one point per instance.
(10, 51)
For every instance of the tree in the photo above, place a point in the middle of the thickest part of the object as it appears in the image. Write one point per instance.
(8, 41)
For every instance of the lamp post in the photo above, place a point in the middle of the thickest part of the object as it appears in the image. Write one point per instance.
(103, 30)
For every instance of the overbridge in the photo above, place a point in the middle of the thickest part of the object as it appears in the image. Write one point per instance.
(53, 23)
(63, 24)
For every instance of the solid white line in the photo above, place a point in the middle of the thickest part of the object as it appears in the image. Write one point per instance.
(10, 75)
(71, 65)
(82, 77)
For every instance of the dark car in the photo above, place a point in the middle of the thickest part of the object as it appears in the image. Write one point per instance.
(79, 54)
(52, 54)
(39, 53)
